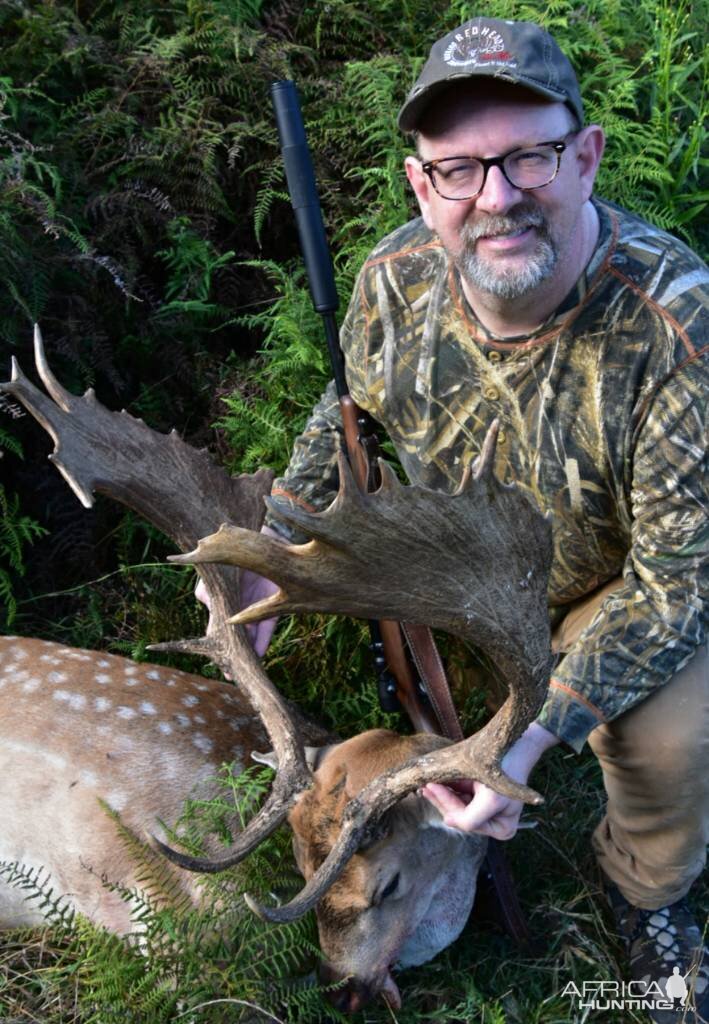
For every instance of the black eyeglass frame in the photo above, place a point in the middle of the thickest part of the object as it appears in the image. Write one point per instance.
(497, 161)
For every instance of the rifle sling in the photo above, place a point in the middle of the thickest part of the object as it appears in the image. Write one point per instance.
(433, 676)
(429, 665)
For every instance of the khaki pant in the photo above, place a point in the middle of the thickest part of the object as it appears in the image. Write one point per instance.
(655, 760)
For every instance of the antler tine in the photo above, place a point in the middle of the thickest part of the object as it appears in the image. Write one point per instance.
(183, 493)
(61, 396)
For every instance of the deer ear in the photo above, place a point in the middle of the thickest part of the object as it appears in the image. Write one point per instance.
(314, 757)
(268, 758)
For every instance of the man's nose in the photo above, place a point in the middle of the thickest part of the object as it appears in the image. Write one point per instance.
(498, 196)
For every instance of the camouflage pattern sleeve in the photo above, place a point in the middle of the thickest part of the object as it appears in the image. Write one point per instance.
(311, 479)
(649, 628)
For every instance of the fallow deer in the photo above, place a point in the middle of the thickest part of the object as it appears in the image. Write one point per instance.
(390, 883)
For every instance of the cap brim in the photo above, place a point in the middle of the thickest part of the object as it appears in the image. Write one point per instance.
(413, 110)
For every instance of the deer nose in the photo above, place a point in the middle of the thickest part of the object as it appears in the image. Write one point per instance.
(349, 996)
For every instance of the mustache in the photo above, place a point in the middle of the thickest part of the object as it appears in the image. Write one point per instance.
(517, 220)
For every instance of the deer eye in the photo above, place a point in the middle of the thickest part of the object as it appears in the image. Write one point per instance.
(390, 888)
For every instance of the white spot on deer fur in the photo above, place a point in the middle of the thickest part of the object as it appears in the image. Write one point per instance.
(19, 677)
(19, 652)
(10, 669)
(103, 678)
(101, 704)
(203, 743)
(147, 708)
(202, 687)
(220, 714)
(76, 701)
(130, 670)
(50, 659)
(200, 719)
(88, 778)
(31, 685)
(183, 720)
(132, 681)
(103, 663)
(165, 728)
(124, 712)
(57, 677)
(153, 674)
(189, 701)
(117, 800)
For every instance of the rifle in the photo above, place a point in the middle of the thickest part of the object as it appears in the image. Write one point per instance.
(399, 684)
(422, 691)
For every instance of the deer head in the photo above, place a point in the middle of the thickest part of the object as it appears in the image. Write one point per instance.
(474, 563)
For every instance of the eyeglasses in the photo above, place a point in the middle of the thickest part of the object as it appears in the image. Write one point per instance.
(526, 168)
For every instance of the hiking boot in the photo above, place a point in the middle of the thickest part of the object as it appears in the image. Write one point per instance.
(666, 945)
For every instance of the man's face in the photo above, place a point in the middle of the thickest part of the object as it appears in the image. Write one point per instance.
(506, 242)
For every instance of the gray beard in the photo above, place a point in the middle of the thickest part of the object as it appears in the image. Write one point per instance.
(487, 276)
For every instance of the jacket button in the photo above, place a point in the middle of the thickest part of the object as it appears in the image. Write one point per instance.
(494, 356)
(491, 393)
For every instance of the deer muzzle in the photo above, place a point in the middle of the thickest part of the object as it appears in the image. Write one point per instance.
(353, 994)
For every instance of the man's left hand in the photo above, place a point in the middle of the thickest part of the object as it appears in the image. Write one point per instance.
(473, 807)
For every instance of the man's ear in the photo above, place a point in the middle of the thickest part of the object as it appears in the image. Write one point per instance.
(421, 185)
(590, 143)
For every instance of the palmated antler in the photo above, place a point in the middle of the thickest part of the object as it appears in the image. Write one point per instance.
(182, 492)
(475, 563)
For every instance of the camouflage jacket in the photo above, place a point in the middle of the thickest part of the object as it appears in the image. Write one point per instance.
(603, 415)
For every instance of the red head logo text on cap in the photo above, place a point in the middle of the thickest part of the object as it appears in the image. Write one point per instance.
(513, 51)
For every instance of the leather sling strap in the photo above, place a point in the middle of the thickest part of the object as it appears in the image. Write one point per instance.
(429, 665)
(433, 676)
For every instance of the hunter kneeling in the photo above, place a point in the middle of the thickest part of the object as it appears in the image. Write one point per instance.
(519, 295)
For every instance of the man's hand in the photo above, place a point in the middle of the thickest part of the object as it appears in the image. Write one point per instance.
(473, 807)
(253, 588)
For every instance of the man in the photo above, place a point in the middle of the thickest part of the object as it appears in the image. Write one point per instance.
(518, 296)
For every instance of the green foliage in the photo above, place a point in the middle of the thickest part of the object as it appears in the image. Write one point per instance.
(16, 531)
(275, 394)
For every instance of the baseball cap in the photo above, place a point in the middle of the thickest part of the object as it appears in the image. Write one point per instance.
(513, 51)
